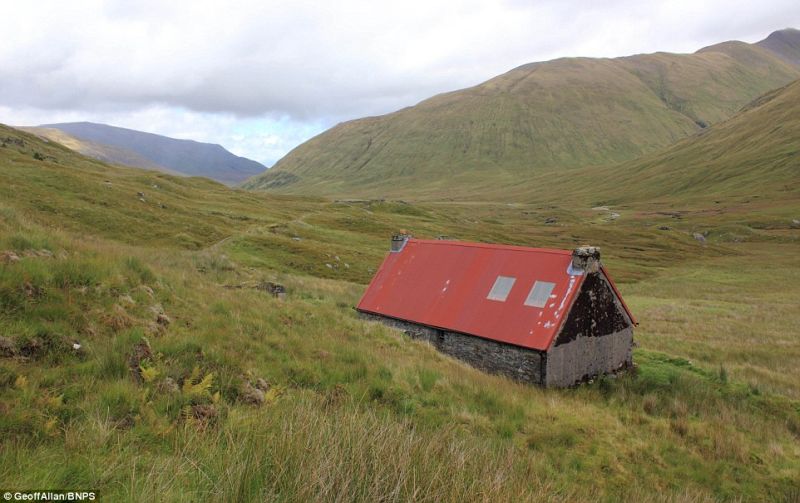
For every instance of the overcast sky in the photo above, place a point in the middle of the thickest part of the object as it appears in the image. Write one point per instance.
(260, 77)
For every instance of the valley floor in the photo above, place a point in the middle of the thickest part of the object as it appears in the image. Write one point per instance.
(140, 358)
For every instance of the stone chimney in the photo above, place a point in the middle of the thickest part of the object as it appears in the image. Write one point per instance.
(586, 258)
(399, 241)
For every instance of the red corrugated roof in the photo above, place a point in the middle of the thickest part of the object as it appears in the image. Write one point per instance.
(444, 284)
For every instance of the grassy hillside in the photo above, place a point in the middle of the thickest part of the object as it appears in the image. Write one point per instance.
(756, 154)
(146, 150)
(745, 164)
(191, 382)
(99, 151)
(750, 161)
(540, 118)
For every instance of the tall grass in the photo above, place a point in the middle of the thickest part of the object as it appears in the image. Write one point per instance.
(159, 400)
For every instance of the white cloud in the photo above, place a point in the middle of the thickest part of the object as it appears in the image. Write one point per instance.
(241, 72)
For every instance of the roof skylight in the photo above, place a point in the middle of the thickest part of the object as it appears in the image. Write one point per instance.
(501, 289)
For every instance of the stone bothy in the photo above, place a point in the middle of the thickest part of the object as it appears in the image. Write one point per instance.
(542, 316)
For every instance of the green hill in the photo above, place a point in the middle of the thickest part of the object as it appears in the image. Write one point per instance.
(190, 381)
(755, 154)
(538, 118)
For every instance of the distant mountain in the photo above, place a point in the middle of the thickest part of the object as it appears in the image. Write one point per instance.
(146, 150)
(538, 118)
(99, 151)
(784, 43)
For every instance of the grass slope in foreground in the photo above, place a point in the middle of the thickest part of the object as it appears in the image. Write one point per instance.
(157, 404)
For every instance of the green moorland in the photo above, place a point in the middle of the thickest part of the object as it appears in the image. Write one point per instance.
(748, 164)
(161, 400)
(540, 119)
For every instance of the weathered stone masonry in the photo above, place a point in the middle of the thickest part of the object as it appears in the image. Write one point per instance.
(596, 338)
(518, 363)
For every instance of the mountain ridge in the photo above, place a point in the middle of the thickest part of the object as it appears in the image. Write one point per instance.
(536, 118)
(784, 43)
(186, 157)
(99, 151)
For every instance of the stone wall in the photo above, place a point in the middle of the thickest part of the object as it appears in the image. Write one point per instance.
(518, 363)
(587, 357)
(596, 312)
(521, 364)
(412, 330)
(596, 338)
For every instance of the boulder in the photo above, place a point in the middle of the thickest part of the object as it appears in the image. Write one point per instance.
(78, 349)
(7, 347)
(263, 384)
(251, 395)
(141, 351)
(8, 257)
(163, 320)
(275, 289)
(32, 291)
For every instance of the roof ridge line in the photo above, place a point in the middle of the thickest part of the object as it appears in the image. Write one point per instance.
(475, 244)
